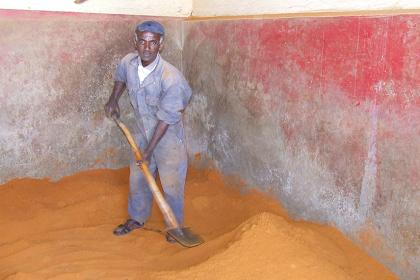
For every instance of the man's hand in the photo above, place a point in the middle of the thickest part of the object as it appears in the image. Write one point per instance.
(160, 130)
(111, 108)
(146, 159)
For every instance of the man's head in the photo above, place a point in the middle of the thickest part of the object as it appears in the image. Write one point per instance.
(149, 40)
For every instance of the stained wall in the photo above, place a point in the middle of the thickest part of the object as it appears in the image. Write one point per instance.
(322, 113)
(56, 74)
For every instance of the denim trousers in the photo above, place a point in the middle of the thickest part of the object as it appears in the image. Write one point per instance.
(170, 160)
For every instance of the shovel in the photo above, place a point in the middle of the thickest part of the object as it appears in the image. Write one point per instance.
(183, 236)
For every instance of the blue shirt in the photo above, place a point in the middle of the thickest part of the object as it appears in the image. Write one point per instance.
(163, 95)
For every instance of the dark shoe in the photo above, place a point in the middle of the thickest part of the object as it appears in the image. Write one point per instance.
(128, 226)
(170, 239)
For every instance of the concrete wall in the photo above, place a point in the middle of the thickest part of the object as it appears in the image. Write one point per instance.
(322, 113)
(55, 76)
(205, 8)
(175, 8)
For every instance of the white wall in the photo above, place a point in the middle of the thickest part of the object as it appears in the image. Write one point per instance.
(206, 8)
(175, 8)
(254, 7)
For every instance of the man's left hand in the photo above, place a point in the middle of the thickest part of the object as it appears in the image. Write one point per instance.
(145, 159)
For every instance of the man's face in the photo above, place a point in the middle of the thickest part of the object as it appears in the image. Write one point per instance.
(148, 46)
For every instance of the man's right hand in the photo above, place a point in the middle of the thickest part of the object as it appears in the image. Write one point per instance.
(112, 109)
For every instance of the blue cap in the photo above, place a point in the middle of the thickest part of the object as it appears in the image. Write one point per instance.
(151, 26)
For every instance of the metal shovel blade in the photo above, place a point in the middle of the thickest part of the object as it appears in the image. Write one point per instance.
(185, 237)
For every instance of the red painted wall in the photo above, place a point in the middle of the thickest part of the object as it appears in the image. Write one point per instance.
(322, 112)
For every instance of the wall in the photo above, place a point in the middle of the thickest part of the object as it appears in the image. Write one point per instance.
(322, 113)
(55, 76)
(175, 8)
(204, 8)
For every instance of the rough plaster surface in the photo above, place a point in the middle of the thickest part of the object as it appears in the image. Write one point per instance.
(174, 8)
(205, 8)
(322, 113)
(56, 74)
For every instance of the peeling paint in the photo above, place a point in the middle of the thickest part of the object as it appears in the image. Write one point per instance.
(316, 112)
(323, 113)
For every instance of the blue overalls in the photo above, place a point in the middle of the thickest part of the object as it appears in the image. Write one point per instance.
(163, 95)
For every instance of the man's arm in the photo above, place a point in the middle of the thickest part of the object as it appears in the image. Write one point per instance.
(160, 130)
(111, 107)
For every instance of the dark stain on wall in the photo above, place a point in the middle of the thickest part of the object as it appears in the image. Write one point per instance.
(57, 73)
(322, 113)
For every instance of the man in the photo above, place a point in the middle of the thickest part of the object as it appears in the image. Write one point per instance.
(158, 93)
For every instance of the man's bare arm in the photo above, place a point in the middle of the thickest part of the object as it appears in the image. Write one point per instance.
(160, 130)
(111, 107)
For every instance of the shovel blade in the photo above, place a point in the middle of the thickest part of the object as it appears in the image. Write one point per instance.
(185, 237)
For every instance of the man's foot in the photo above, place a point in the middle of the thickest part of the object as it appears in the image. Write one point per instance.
(128, 226)
(170, 239)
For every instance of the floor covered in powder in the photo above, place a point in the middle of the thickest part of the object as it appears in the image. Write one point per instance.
(63, 230)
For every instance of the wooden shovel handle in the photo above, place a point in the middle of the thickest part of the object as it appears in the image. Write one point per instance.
(167, 212)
